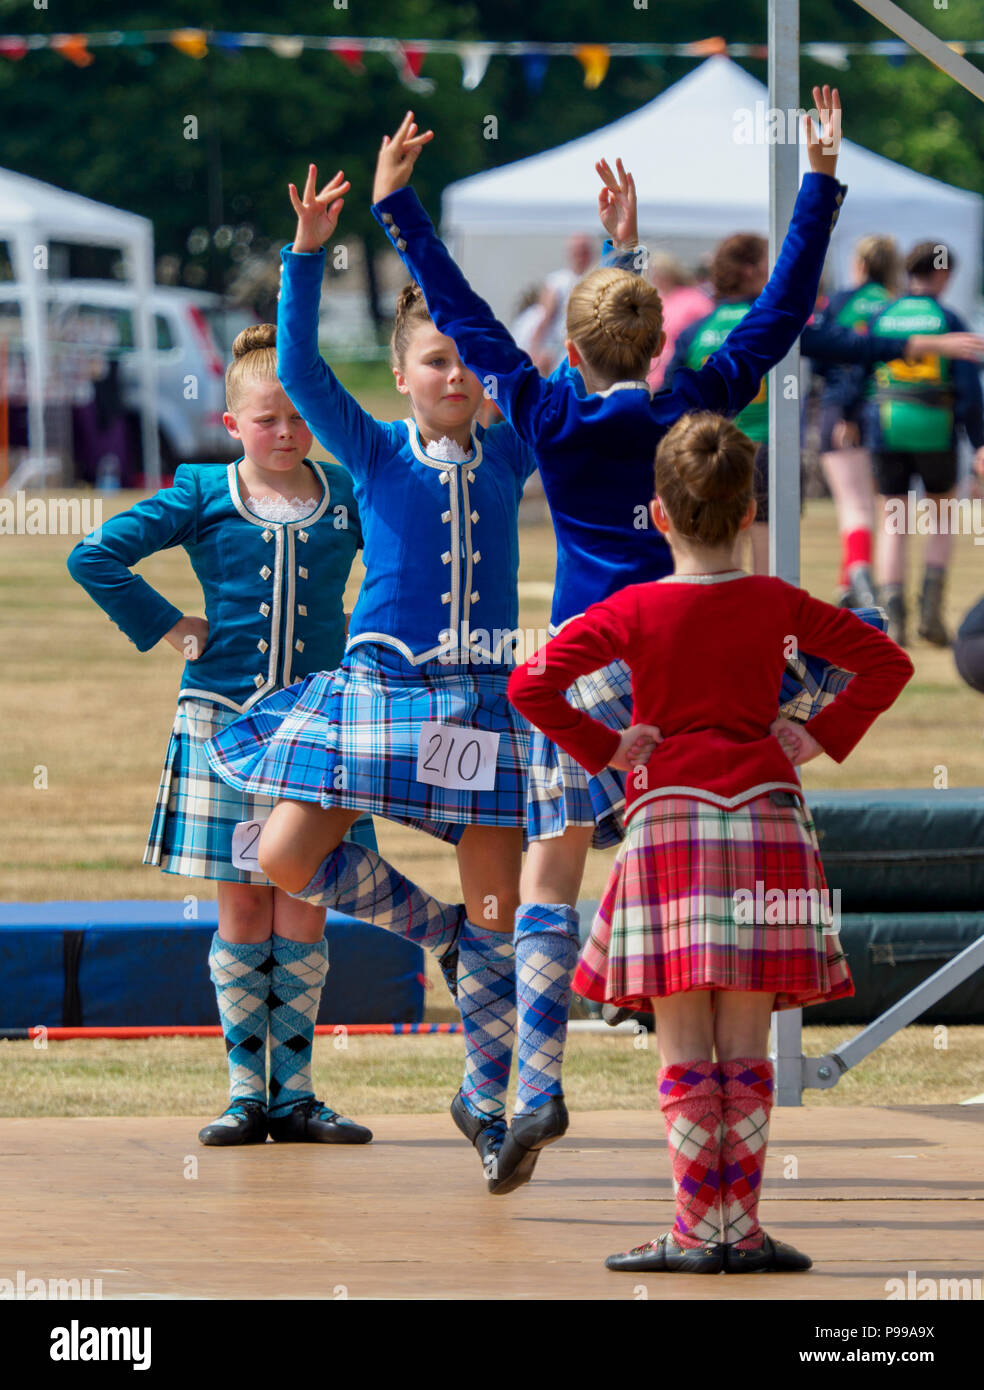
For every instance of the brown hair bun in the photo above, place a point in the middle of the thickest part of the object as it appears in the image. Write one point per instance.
(704, 476)
(411, 312)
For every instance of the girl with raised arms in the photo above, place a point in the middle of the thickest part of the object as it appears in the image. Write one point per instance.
(594, 442)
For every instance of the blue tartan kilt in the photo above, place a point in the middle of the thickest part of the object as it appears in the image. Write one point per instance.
(561, 792)
(349, 738)
(196, 812)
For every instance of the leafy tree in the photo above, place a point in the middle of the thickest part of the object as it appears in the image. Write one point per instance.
(119, 129)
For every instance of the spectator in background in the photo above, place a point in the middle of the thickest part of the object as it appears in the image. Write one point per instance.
(739, 270)
(684, 302)
(844, 450)
(546, 345)
(916, 412)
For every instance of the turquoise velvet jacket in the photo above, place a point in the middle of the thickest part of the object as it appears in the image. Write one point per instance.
(273, 590)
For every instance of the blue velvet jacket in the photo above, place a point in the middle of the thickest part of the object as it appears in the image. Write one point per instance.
(441, 539)
(595, 451)
(273, 590)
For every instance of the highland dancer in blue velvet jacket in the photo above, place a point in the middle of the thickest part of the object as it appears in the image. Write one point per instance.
(595, 454)
(271, 540)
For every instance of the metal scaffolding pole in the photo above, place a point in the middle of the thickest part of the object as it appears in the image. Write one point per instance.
(784, 424)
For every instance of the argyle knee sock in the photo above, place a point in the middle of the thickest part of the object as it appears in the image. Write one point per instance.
(240, 973)
(690, 1099)
(487, 999)
(547, 946)
(296, 982)
(356, 881)
(746, 1084)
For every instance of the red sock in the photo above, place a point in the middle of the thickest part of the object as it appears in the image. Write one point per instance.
(746, 1084)
(857, 548)
(690, 1099)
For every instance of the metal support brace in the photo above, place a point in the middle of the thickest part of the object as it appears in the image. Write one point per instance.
(924, 41)
(823, 1072)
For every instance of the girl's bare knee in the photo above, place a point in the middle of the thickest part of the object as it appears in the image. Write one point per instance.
(279, 862)
(245, 912)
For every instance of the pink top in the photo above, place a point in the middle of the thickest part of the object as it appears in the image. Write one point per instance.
(707, 655)
(681, 307)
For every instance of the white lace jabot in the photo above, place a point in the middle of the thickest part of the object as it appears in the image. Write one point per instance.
(279, 509)
(447, 450)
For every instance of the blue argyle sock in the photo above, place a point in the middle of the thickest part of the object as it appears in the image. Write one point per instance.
(296, 982)
(487, 1000)
(356, 881)
(241, 976)
(547, 947)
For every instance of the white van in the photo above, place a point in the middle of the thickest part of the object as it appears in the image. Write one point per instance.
(93, 319)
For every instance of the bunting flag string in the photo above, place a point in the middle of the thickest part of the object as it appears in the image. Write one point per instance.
(408, 56)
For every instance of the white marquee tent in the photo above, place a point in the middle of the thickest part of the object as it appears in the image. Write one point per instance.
(32, 214)
(698, 180)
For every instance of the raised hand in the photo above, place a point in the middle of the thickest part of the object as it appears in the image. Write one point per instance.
(798, 746)
(317, 213)
(823, 146)
(635, 747)
(617, 206)
(397, 156)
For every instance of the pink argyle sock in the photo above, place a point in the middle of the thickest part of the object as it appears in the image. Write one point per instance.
(690, 1099)
(747, 1103)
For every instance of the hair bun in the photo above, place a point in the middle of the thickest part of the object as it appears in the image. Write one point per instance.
(710, 468)
(409, 298)
(629, 312)
(255, 337)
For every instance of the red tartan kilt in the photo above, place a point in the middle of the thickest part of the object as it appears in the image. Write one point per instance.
(670, 920)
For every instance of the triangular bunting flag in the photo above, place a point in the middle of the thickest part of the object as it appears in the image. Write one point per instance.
(74, 48)
(594, 59)
(407, 62)
(351, 56)
(474, 63)
(14, 49)
(191, 42)
(534, 70)
(705, 47)
(285, 45)
(833, 54)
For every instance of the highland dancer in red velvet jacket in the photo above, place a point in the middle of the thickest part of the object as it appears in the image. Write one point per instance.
(716, 908)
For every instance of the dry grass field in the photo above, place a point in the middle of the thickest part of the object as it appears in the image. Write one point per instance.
(86, 719)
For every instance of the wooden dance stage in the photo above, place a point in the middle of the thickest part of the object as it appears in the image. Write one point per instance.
(870, 1193)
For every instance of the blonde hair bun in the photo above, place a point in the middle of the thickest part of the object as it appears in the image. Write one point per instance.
(615, 318)
(255, 337)
(254, 361)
